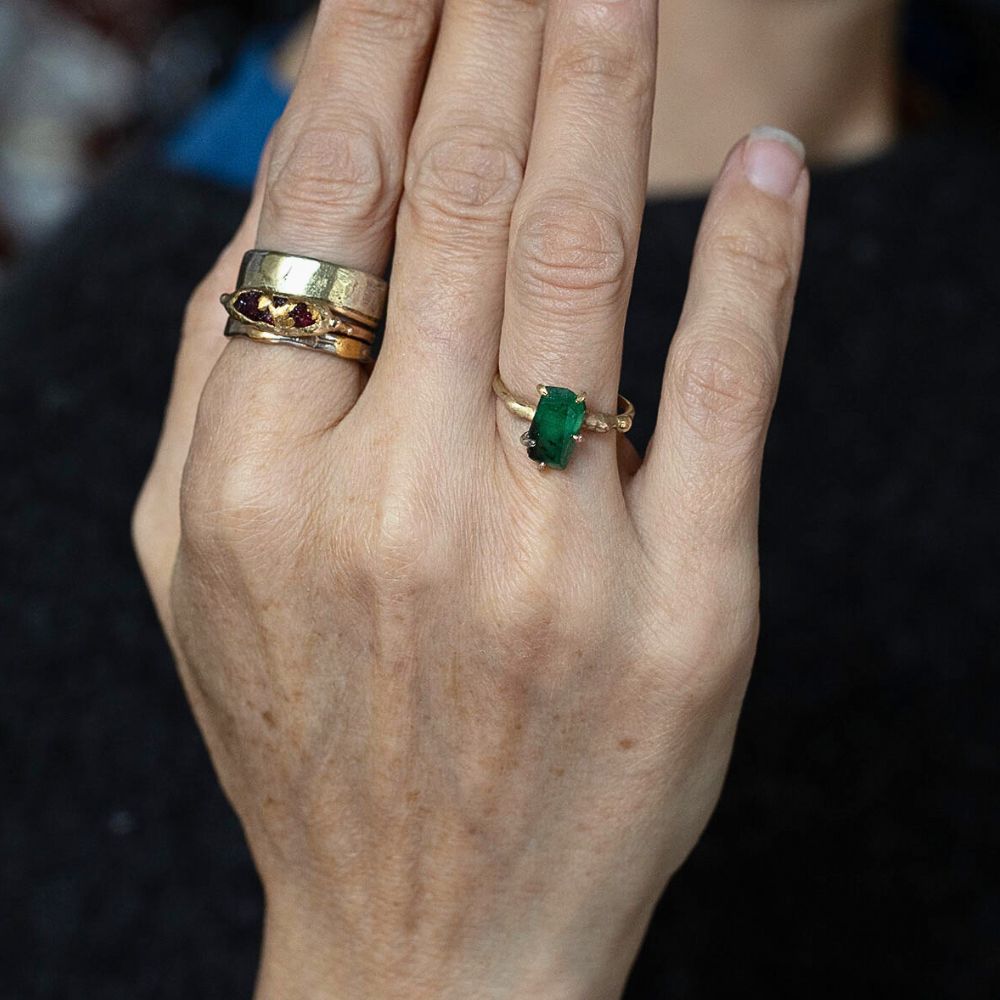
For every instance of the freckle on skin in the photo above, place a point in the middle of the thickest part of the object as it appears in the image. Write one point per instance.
(268, 718)
(558, 771)
(413, 796)
(626, 744)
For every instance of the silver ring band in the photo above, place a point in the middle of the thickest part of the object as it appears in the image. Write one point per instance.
(355, 294)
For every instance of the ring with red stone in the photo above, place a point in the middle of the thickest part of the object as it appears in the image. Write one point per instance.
(292, 315)
(356, 295)
(343, 346)
(557, 420)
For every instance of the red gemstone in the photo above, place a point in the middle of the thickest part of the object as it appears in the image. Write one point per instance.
(248, 304)
(302, 315)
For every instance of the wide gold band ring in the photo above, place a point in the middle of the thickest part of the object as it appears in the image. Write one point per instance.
(557, 419)
(348, 348)
(355, 294)
(293, 315)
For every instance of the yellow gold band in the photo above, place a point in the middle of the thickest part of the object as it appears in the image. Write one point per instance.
(348, 348)
(291, 315)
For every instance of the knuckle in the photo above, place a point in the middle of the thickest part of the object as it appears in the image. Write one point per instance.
(386, 20)
(717, 659)
(753, 260)
(604, 63)
(568, 251)
(725, 387)
(224, 505)
(405, 552)
(325, 172)
(465, 178)
(710, 632)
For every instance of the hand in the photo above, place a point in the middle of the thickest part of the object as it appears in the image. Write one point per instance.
(472, 716)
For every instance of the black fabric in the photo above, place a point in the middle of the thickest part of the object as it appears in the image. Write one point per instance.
(854, 852)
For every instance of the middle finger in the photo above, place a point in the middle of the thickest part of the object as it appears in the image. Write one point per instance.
(464, 169)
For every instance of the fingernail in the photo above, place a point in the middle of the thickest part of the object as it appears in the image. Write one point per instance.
(772, 160)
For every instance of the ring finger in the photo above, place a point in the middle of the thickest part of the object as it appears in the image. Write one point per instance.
(575, 226)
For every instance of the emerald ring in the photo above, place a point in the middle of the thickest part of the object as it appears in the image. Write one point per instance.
(557, 420)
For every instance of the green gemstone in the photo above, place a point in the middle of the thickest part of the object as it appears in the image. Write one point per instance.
(558, 417)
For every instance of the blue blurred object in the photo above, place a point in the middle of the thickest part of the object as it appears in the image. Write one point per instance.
(225, 135)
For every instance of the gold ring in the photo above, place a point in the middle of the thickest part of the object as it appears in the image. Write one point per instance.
(291, 315)
(355, 294)
(348, 348)
(557, 420)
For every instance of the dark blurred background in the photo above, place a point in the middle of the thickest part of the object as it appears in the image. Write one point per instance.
(84, 81)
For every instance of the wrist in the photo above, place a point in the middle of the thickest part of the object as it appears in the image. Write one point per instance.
(320, 956)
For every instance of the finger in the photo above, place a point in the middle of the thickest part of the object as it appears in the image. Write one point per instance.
(698, 487)
(464, 169)
(332, 191)
(575, 226)
(156, 516)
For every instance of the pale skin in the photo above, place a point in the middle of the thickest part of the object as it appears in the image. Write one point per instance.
(473, 716)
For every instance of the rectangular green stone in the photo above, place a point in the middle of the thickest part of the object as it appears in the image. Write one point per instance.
(558, 417)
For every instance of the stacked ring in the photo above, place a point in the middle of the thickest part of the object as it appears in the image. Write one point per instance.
(286, 299)
(292, 315)
(346, 347)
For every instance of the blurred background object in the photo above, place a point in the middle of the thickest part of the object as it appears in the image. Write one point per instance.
(84, 81)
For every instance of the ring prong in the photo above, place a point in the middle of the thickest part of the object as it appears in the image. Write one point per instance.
(577, 438)
(542, 390)
(581, 397)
